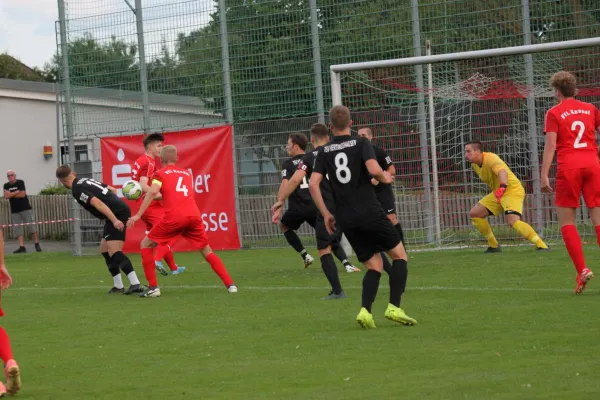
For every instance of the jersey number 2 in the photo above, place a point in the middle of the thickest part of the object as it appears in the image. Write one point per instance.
(342, 172)
(581, 126)
(181, 187)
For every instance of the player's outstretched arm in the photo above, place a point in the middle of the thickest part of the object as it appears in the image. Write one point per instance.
(107, 212)
(315, 192)
(376, 171)
(549, 149)
(151, 195)
(286, 190)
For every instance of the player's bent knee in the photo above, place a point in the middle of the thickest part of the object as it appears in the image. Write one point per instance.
(325, 251)
(206, 251)
(393, 219)
(147, 243)
(398, 253)
(283, 228)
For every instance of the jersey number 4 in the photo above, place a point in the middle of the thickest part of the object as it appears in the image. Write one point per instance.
(342, 172)
(181, 187)
(578, 125)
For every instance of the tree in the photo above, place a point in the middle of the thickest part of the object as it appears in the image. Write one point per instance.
(11, 68)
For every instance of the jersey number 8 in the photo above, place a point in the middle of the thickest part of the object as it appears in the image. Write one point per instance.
(341, 168)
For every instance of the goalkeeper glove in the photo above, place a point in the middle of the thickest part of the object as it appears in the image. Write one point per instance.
(500, 192)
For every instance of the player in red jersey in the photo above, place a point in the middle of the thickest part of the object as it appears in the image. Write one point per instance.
(11, 368)
(182, 218)
(570, 129)
(143, 171)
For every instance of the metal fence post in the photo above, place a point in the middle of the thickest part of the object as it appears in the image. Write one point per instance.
(229, 108)
(532, 122)
(74, 210)
(139, 24)
(316, 50)
(422, 119)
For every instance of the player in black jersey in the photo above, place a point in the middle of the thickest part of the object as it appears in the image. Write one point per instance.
(103, 203)
(300, 205)
(350, 163)
(326, 243)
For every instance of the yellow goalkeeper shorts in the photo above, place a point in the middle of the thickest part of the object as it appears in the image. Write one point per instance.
(511, 203)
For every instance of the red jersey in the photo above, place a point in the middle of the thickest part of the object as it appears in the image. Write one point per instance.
(177, 188)
(575, 123)
(145, 165)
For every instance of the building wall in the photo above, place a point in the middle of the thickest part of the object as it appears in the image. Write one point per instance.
(29, 122)
(26, 127)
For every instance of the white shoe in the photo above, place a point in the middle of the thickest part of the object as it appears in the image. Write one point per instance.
(351, 268)
(308, 259)
(151, 292)
(232, 289)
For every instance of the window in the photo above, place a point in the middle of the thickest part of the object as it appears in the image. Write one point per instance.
(81, 153)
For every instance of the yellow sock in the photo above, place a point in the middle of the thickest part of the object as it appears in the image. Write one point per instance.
(486, 230)
(529, 233)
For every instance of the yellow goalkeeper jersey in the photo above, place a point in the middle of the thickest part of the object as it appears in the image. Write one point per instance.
(488, 172)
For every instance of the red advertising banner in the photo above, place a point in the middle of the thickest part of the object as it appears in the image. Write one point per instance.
(207, 154)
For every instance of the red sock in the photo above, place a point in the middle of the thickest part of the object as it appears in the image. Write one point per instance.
(164, 252)
(149, 267)
(217, 265)
(598, 234)
(5, 351)
(574, 247)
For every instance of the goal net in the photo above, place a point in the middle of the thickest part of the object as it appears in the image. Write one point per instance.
(423, 110)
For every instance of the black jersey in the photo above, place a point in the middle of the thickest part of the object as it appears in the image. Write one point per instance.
(384, 162)
(344, 161)
(307, 164)
(85, 189)
(300, 197)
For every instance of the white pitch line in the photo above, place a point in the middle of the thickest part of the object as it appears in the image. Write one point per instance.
(283, 288)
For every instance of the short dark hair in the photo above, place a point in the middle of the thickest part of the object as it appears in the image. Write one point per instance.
(565, 83)
(63, 171)
(366, 128)
(153, 137)
(299, 139)
(476, 144)
(339, 116)
(319, 130)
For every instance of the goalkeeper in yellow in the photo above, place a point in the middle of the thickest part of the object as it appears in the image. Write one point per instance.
(507, 195)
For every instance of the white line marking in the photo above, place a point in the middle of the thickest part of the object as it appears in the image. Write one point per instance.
(283, 288)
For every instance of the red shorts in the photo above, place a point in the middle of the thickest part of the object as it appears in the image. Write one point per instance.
(191, 228)
(571, 183)
(153, 216)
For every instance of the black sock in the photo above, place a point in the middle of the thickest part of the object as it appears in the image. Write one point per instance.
(294, 241)
(331, 272)
(114, 270)
(398, 277)
(387, 267)
(370, 286)
(340, 254)
(399, 229)
(120, 260)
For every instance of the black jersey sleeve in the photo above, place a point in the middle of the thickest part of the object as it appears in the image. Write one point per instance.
(307, 162)
(367, 151)
(287, 170)
(383, 159)
(320, 163)
(82, 195)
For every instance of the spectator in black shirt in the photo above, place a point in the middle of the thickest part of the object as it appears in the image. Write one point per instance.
(14, 191)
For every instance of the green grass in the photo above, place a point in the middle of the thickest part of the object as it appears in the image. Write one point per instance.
(502, 326)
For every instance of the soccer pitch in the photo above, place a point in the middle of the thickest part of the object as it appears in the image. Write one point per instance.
(499, 326)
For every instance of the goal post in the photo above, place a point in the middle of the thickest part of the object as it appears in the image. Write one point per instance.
(499, 96)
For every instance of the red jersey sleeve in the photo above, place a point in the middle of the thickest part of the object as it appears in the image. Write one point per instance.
(551, 122)
(597, 118)
(143, 166)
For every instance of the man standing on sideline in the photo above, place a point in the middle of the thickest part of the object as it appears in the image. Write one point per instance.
(20, 209)
(570, 128)
(350, 163)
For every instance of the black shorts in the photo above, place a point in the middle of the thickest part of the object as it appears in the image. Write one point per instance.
(111, 233)
(292, 219)
(386, 199)
(324, 239)
(370, 234)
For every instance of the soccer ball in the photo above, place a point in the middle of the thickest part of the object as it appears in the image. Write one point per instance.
(132, 190)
